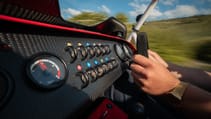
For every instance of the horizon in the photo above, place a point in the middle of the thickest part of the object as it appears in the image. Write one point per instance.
(165, 9)
(200, 15)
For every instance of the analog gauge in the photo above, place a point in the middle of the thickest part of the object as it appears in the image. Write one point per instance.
(128, 51)
(47, 71)
(119, 51)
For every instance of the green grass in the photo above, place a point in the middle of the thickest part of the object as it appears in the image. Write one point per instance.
(177, 40)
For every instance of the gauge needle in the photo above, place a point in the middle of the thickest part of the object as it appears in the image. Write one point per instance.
(42, 66)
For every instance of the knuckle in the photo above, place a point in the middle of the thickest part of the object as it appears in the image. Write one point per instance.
(148, 74)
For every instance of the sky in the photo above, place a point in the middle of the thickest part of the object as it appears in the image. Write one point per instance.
(165, 9)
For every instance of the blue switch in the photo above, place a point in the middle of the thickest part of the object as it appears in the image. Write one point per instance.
(88, 64)
(96, 62)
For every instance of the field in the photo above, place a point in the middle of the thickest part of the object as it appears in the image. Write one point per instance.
(185, 41)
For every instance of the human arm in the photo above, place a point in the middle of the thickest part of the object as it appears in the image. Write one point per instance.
(155, 79)
(197, 77)
(152, 77)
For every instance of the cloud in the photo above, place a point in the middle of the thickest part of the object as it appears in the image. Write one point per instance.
(72, 12)
(69, 12)
(141, 1)
(181, 11)
(139, 8)
(87, 10)
(105, 9)
(205, 11)
(185, 11)
(155, 14)
(165, 2)
(168, 2)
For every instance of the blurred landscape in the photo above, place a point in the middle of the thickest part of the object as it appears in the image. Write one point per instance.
(184, 41)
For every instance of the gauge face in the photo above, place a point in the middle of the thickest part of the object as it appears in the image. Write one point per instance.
(127, 51)
(119, 51)
(47, 71)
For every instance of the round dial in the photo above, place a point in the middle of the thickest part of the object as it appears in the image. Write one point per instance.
(119, 51)
(47, 71)
(128, 51)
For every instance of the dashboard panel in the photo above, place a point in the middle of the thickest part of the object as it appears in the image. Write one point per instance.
(50, 68)
(56, 69)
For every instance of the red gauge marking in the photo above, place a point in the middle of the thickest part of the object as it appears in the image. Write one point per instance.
(58, 74)
(42, 66)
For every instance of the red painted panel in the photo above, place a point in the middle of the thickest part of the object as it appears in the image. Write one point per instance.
(49, 7)
(35, 23)
(108, 110)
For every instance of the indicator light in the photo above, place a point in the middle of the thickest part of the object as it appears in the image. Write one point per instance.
(87, 44)
(106, 59)
(96, 62)
(79, 44)
(101, 60)
(88, 64)
(79, 67)
(69, 44)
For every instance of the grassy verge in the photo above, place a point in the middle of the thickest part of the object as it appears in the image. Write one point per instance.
(177, 40)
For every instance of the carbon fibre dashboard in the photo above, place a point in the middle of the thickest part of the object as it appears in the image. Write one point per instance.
(55, 71)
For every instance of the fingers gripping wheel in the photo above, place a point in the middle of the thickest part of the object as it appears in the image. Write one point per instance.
(142, 43)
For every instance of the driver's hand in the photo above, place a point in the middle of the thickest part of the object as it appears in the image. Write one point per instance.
(156, 58)
(152, 77)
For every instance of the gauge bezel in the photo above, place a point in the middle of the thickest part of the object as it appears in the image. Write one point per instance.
(121, 54)
(128, 52)
(40, 56)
